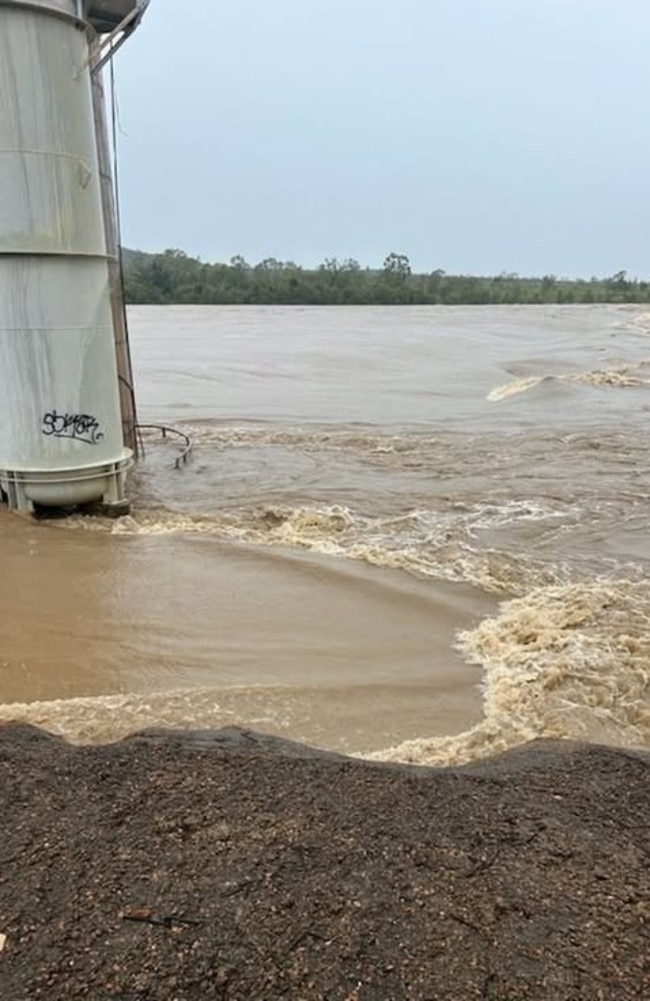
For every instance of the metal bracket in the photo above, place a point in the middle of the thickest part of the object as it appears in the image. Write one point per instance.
(109, 45)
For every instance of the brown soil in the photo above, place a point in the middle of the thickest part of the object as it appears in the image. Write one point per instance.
(233, 866)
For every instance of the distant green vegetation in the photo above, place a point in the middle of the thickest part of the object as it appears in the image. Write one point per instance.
(173, 277)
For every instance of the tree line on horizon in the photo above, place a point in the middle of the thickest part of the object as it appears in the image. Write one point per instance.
(172, 277)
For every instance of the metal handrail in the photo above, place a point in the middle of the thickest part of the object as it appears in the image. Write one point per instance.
(188, 444)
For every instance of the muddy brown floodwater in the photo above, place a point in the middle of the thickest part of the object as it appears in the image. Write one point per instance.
(419, 533)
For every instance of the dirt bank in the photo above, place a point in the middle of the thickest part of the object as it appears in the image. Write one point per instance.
(232, 866)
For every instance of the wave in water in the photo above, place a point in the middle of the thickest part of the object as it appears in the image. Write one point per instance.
(436, 544)
(99, 719)
(640, 322)
(570, 661)
(620, 378)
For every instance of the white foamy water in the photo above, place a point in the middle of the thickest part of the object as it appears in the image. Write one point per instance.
(416, 532)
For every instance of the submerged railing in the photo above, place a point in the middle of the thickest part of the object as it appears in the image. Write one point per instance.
(186, 442)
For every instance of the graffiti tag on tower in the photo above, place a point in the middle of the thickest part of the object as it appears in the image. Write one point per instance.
(80, 427)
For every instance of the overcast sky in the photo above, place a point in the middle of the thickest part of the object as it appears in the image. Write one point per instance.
(472, 135)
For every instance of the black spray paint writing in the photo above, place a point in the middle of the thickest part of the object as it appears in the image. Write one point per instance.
(81, 427)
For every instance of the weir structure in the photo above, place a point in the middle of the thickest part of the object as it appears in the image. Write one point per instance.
(68, 429)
